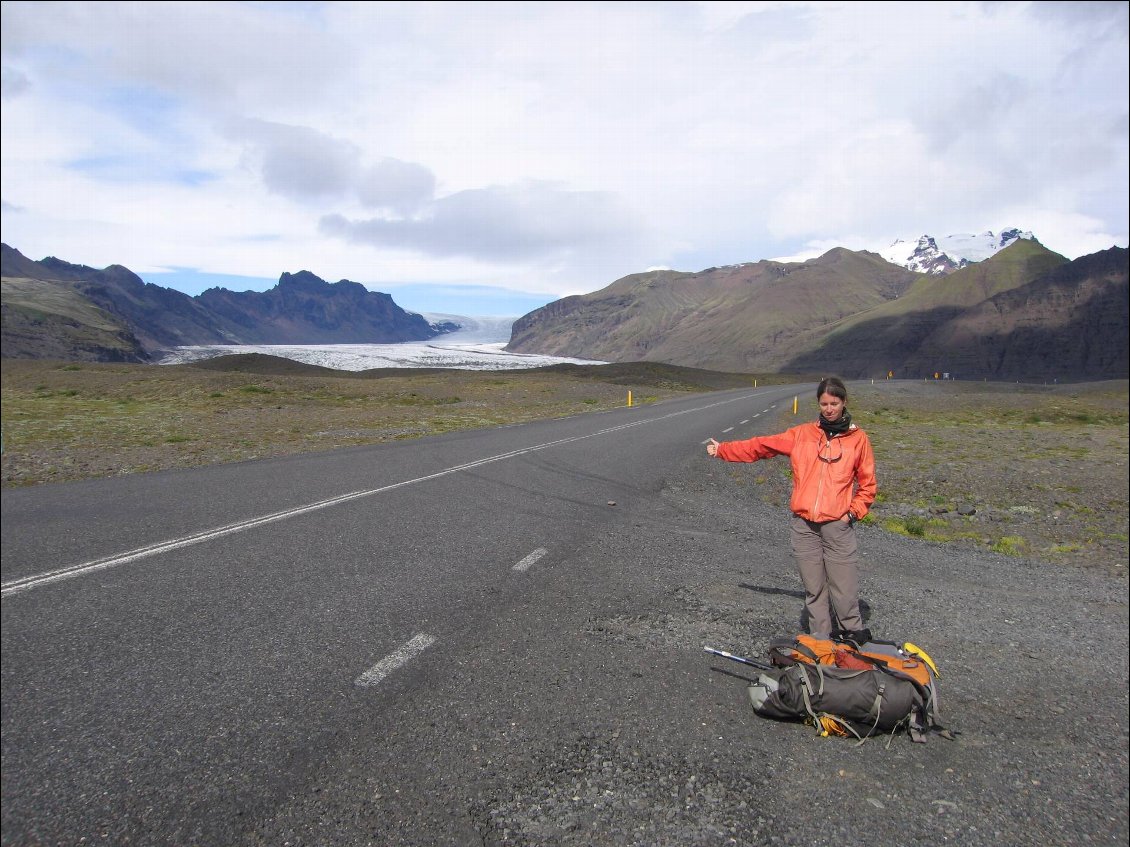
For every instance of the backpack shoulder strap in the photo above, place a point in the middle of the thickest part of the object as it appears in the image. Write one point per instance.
(789, 650)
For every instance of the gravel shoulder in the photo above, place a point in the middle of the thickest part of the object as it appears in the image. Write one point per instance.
(1033, 654)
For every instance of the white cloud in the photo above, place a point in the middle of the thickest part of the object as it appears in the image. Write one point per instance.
(552, 147)
(496, 223)
(401, 187)
(299, 162)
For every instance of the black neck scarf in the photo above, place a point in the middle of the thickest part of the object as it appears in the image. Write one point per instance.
(837, 427)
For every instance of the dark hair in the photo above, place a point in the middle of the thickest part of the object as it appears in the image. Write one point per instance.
(831, 385)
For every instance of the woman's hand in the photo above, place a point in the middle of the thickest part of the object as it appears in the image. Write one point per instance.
(711, 447)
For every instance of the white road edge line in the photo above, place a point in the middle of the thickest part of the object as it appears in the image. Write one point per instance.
(16, 586)
(524, 565)
(376, 674)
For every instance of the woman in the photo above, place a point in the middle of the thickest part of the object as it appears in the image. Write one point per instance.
(833, 487)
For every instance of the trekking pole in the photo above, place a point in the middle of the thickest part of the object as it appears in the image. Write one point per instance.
(763, 666)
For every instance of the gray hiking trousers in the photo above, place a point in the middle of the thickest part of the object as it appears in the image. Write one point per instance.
(828, 558)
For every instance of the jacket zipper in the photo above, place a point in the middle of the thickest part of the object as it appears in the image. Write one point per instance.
(820, 482)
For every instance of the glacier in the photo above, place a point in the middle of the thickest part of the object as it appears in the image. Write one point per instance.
(477, 345)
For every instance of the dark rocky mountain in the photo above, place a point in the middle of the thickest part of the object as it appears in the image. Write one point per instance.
(1024, 313)
(304, 309)
(1069, 322)
(301, 309)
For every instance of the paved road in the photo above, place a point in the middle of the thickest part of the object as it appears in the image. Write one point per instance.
(495, 638)
(182, 651)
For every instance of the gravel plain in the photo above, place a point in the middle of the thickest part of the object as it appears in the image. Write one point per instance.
(663, 747)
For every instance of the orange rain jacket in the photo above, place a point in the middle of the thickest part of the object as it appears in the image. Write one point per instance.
(830, 477)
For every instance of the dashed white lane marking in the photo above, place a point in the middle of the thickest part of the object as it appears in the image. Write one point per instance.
(414, 647)
(731, 429)
(28, 582)
(524, 565)
(743, 423)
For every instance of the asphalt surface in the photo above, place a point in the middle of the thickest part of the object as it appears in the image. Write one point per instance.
(496, 638)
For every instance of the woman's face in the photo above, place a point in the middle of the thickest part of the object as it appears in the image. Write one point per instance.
(831, 407)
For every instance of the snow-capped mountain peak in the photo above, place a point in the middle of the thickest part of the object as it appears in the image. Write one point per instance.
(947, 254)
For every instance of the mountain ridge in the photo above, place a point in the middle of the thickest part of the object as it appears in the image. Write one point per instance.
(858, 315)
(1023, 312)
(301, 309)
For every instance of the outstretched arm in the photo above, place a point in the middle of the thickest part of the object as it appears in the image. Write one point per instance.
(753, 449)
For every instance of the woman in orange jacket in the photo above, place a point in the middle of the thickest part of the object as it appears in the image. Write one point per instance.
(833, 487)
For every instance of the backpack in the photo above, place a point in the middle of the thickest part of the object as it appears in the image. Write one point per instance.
(848, 689)
(786, 651)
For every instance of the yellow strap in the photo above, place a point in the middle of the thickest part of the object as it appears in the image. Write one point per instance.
(922, 654)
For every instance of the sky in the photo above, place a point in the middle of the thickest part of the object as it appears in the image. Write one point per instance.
(488, 158)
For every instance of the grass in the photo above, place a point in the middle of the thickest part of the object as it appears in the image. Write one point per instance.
(66, 422)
